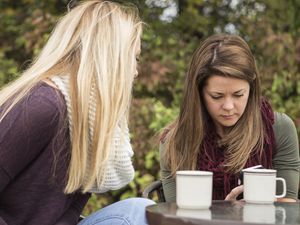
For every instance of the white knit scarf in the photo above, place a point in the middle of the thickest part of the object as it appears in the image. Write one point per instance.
(119, 170)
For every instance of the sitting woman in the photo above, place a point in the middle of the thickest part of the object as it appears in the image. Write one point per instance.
(63, 123)
(225, 125)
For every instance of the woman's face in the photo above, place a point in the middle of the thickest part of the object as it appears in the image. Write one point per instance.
(225, 99)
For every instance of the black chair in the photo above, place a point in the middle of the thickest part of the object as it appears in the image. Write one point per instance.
(154, 188)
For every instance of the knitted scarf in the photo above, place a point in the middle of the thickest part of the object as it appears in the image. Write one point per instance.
(119, 170)
(224, 182)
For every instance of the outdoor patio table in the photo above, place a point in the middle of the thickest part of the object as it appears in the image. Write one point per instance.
(225, 213)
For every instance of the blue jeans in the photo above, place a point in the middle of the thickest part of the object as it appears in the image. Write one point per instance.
(126, 212)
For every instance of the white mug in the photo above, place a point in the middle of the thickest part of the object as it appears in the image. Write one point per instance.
(194, 189)
(260, 186)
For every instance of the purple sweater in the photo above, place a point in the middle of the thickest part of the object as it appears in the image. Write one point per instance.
(33, 136)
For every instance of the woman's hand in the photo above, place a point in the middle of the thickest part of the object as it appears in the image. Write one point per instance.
(235, 192)
(286, 200)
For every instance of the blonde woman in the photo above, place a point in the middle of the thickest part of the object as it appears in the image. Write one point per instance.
(225, 125)
(63, 123)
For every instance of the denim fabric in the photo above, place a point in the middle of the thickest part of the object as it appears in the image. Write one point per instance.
(126, 212)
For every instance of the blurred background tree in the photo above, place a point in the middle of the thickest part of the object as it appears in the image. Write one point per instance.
(174, 29)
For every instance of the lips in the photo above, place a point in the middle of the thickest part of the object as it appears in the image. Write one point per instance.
(228, 117)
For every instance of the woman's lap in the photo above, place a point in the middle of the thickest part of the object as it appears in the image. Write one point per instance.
(126, 212)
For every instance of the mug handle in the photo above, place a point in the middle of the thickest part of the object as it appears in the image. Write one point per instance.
(284, 187)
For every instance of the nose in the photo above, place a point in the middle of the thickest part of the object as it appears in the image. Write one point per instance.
(228, 104)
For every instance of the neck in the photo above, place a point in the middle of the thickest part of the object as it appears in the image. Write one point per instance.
(221, 130)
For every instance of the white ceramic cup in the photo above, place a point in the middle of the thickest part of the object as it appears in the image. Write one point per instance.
(260, 186)
(194, 189)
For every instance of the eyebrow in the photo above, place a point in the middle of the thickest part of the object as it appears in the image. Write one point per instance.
(220, 93)
(236, 92)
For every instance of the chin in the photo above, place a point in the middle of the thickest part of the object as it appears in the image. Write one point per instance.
(229, 123)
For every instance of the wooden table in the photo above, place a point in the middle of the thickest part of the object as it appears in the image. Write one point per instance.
(225, 213)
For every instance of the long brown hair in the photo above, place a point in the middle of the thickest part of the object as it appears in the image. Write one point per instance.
(225, 55)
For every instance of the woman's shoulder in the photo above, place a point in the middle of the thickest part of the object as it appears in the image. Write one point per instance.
(45, 94)
(285, 131)
(162, 145)
(282, 122)
(42, 104)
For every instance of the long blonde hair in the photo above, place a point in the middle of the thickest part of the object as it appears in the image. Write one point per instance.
(95, 45)
(226, 55)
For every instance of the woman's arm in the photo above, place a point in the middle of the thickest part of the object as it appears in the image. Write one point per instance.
(286, 158)
(25, 131)
(168, 182)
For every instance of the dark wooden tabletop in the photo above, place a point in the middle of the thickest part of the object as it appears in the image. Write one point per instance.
(225, 213)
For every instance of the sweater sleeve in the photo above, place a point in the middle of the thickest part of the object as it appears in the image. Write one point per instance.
(286, 158)
(25, 131)
(71, 215)
(168, 182)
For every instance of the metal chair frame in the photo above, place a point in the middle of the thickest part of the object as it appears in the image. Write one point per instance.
(154, 187)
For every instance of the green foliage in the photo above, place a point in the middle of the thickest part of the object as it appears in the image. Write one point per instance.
(8, 70)
(285, 95)
(270, 27)
(163, 116)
